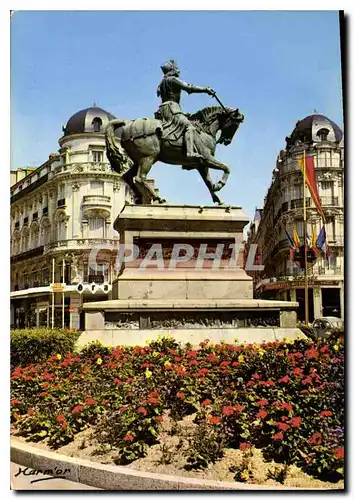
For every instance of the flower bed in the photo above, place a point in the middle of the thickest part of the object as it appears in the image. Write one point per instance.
(286, 399)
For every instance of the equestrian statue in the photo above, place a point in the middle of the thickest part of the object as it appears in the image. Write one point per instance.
(172, 137)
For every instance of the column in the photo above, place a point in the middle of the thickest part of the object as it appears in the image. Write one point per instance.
(317, 302)
(293, 294)
(75, 304)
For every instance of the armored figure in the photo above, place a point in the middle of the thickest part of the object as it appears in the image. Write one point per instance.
(175, 122)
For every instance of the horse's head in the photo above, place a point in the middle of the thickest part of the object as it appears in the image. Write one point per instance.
(229, 122)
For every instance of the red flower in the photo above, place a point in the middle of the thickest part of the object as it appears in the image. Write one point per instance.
(245, 446)
(153, 394)
(14, 401)
(129, 394)
(223, 364)
(278, 437)
(90, 401)
(117, 381)
(177, 359)
(202, 372)
(173, 352)
(129, 380)
(315, 439)
(228, 410)
(311, 354)
(306, 381)
(284, 418)
(339, 452)
(326, 413)
(262, 414)
(284, 406)
(43, 394)
(250, 383)
(256, 376)
(206, 402)
(298, 372)
(284, 379)
(281, 426)
(122, 409)
(262, 402)
(235, 364)
(191, 354)
(239, 408)
(77, 409)
(128, 437)
(304, 391)
(193, 362)
(181, 395)
(214, 420)
(295, 421)
(159, 418)
(31, 411)
(104, 401)
(61, 418)
(142, 410)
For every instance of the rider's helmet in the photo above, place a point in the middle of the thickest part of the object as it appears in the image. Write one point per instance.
(170, 66)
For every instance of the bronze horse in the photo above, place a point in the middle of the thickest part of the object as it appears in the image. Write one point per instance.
(133, 146)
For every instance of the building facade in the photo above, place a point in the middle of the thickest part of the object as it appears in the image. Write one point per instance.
(283, 210)
(60, 213)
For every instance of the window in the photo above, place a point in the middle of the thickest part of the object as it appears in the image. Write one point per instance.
(96, 227)
(322, 134)
(97, 156)
(97, 124)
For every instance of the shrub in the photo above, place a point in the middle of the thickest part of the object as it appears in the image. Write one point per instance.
(36, 345)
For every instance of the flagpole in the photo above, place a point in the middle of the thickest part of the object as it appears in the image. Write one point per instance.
(305, 247)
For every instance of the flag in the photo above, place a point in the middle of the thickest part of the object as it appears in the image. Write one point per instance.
(291, 243)
(321, 239)
(310, 178)
(296, 239)
(322, 244)
(314, 241)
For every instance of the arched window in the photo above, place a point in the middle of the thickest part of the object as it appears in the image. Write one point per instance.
(323, 133)
(97, 124)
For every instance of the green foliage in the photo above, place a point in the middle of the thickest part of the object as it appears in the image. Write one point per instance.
(36, 345)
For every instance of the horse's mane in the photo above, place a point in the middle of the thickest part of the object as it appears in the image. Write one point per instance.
(202, 116)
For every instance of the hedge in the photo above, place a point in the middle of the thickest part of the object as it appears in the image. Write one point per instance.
(36, 345)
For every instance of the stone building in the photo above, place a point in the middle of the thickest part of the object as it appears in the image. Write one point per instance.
(60, 212)
(283, 209)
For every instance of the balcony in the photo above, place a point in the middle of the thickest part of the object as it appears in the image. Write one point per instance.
(97, 206)
(81, 244)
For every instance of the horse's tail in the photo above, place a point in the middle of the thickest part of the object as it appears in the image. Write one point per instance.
(116, 155)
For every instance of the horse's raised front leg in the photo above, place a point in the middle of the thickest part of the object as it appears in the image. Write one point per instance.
(211, 162)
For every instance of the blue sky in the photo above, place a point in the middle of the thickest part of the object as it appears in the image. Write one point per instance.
(276, 66)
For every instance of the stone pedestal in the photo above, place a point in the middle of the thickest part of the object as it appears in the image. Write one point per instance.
(182, 252)
(183, 273)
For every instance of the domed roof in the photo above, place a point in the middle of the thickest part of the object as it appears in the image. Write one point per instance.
(315, 128)
(89, 120)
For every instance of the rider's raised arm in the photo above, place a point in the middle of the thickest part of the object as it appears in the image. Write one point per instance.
(192, 89)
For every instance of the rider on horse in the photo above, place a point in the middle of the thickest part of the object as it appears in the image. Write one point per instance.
(175, 122)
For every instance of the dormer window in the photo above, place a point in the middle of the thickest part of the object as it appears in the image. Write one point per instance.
(322, 134)
(97, 124)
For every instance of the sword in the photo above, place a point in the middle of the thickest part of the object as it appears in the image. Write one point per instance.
(221, 104)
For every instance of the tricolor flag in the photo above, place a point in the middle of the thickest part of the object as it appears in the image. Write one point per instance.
(308, 171)
(321, 242)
